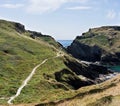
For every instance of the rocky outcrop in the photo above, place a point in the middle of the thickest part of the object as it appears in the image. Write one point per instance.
(71, 79)
(34, 34)
(80, 74)
(112, 59)
(85, 52)
(91, 71)
(98, 44)
(20, 28)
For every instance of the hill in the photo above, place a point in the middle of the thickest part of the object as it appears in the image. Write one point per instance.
(19, 54)
(98, 44)
(104, 94)
(35, 69)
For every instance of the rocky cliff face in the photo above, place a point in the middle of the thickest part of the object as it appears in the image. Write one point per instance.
(98, 44)
(78, 74)
(85, 52)
(19, 27)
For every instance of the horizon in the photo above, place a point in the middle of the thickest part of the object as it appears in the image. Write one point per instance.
(61, 19)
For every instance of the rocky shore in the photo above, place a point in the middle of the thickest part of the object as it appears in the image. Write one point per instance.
(102, 77)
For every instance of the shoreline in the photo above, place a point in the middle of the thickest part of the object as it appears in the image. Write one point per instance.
(103, 78)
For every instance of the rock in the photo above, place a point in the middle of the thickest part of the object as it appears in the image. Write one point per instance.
(91, 71)
(98, 44)
(68, 77)
(85, 52)
(19, 27)
(35, 34)
(112, 59)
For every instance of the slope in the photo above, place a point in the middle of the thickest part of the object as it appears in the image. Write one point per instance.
(58, 78)
(18, 55)
(104, 94)
(98, 44)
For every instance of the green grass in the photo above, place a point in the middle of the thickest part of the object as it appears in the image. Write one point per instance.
(49, 40)
(46, 90)
(104, 38)
(18, 56)
(99, 40)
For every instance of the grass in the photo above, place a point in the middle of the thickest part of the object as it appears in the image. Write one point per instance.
(105, 101)
(96, 95)
(18, 56)
(103, 38)
(99, 40)
(46, 90)
(49, 40)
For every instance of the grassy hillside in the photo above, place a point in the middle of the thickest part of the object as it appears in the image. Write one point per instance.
(59, 78)
(20, 52)
(104, 94)
(18, 55)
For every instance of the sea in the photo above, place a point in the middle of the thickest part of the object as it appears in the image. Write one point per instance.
(115, 68)
(67, 43)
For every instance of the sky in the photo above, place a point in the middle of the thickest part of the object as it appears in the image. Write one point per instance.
(62, 19)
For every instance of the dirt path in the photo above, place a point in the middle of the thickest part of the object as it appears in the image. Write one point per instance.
(59, 54)
(25, 82)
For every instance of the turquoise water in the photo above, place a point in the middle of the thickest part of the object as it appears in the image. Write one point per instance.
(65, 43)
(115, 68)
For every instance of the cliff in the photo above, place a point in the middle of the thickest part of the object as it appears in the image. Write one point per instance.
(98, 44)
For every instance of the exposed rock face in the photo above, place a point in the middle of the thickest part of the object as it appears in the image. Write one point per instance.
(113, 59)
(71, 79)
(35, 34)
(85, 52)
(98, 44)
(80, 74)
(90, 71)
(20, 28)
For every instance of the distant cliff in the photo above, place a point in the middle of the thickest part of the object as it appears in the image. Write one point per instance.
(98, 44)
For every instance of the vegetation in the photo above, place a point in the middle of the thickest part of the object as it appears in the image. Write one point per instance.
(104, 94)
(104, 37)
(20, 53)
(105, 101)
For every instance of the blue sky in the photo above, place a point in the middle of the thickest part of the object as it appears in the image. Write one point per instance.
(62, 19)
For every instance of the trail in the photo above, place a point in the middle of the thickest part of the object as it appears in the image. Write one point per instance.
(59, 54)
(25, 82)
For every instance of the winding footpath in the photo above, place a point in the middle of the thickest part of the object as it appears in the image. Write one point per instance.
(59, 54)
(25, 82)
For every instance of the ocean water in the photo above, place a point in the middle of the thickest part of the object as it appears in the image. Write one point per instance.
(65, 43)
(115, 68)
